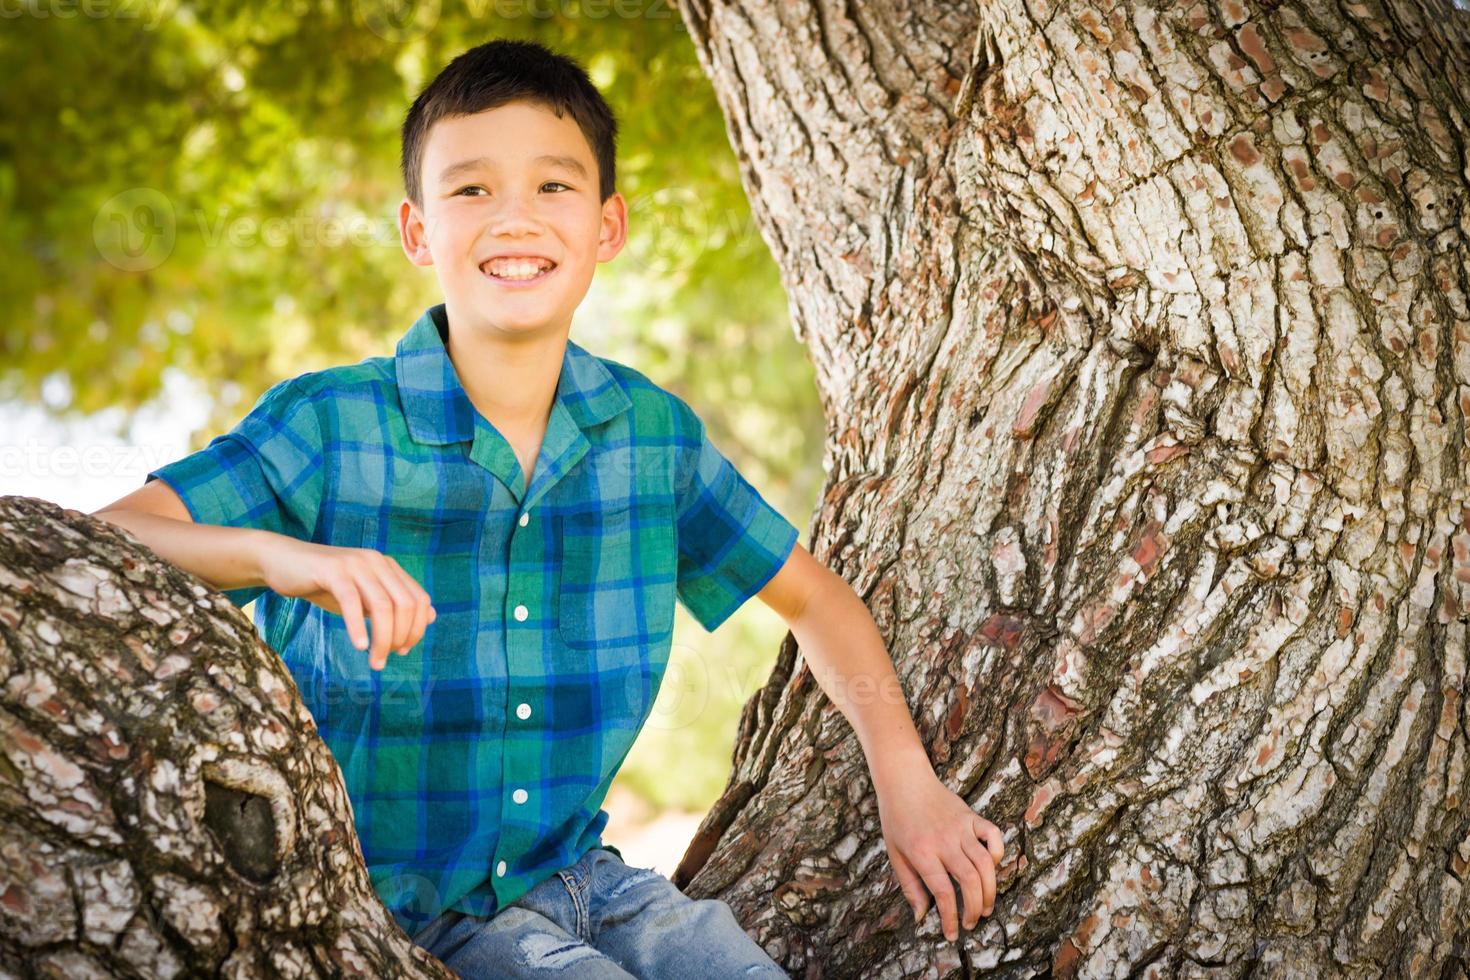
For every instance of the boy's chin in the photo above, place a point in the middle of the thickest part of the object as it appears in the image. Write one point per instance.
(494, 318)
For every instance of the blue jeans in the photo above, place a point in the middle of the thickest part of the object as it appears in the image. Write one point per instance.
(599, 918)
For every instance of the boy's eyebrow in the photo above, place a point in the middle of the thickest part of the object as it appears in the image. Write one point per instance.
(554, 159)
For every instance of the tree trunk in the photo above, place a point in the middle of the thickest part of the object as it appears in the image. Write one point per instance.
(1143, 339)
(166, 807)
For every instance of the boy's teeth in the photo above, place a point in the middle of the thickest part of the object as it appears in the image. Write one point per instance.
(517, 268)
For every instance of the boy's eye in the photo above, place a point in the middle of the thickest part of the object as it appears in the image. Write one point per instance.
(477, 187)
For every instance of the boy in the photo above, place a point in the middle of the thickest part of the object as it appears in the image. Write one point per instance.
(515, 518)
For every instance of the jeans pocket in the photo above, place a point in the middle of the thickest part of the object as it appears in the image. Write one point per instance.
(622, 861)
(619, 876)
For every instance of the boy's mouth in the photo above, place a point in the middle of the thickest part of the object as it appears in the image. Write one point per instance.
(518, 271)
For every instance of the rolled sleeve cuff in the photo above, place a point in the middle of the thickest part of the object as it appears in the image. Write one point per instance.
(753, 560)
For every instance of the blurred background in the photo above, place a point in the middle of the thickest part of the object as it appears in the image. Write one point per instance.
(198, 201)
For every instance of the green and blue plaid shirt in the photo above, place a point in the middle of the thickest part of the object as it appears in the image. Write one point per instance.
(478, 763)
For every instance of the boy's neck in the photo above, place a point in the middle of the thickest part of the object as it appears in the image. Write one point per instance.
(511, 383)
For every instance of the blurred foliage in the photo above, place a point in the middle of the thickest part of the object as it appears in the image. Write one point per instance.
(211, 187)
(682, 757)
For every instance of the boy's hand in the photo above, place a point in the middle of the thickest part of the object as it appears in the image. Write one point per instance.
(931, 834)
(347, 580)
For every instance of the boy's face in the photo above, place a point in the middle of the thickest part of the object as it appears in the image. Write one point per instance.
(490, 188)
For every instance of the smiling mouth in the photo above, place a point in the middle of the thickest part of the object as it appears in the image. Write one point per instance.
(518, 270)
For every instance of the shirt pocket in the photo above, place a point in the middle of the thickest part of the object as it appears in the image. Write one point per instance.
(617, 577)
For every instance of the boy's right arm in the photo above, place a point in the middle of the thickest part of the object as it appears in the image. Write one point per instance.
(225, 557)
(346, 581)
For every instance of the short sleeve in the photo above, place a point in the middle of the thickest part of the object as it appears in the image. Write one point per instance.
(731, 541)
(264, 473)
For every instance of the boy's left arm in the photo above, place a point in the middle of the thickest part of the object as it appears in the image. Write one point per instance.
(930, 831)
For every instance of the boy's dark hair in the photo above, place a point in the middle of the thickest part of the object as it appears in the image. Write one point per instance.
(500, 71)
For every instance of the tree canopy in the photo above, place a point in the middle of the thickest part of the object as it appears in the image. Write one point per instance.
(212, 188)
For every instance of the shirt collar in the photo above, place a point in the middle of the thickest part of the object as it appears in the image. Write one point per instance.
(438, 409)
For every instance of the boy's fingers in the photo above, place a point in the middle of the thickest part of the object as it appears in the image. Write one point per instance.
(415, 628)
(993, 838)
(346, 595)
(972, 885)
(403, 604)
(425, 616)
(979, 857)
(380, 611)
(417, 600)
(909, 883)
(936, 879)
(387, 581)
(420, 622)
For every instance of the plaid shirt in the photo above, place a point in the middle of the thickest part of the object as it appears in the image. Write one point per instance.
(478, 763)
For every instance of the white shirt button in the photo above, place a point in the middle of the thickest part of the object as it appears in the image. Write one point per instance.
(519, 796)
(521, 613)
(525, 519)
(523, 711)
(500, 869)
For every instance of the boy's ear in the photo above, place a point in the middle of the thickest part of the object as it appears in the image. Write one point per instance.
(413, 234)
(614, 233)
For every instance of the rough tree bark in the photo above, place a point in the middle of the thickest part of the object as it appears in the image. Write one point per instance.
(166, 807)
(1143, 339)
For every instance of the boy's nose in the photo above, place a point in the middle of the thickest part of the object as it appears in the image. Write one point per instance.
(514, 205)
(512, 219)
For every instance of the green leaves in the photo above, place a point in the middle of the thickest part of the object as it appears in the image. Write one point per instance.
(234, 167)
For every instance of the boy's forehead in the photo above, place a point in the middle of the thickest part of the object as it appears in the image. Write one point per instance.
(517, 133)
